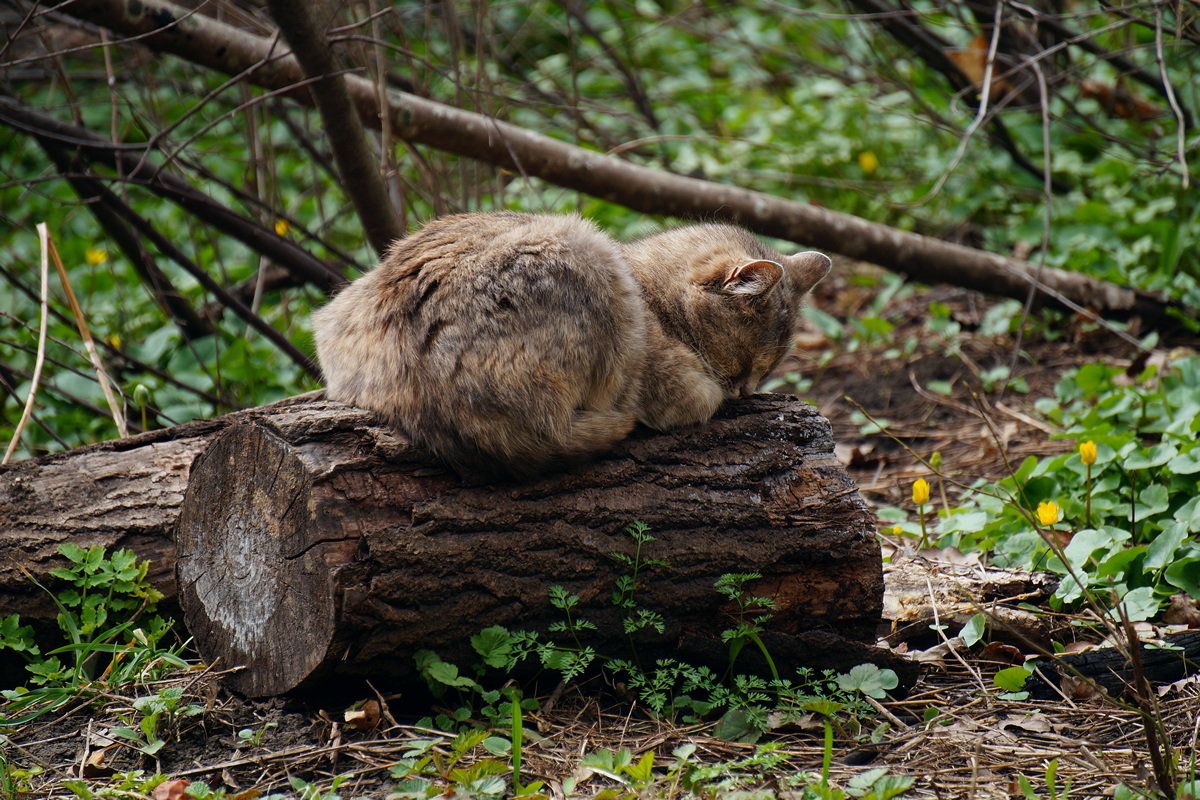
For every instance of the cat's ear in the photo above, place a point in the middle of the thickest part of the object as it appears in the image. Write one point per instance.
(807, 269)
(754, 278)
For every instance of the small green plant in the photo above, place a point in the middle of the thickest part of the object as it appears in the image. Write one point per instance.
(429, 766)
(105, 613)
(749, 628)
(670, 688)
(160, 716)
(625, 595)
(308, 791)
(14, 781)
(1052, 791)
(253, 737)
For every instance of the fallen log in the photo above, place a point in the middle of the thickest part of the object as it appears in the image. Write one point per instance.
(313, 542)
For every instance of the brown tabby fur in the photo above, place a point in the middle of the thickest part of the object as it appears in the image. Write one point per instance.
(506, 342)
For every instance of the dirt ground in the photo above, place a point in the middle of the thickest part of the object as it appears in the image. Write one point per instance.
(952, 733)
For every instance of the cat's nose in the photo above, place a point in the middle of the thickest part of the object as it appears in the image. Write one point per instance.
(745, 390)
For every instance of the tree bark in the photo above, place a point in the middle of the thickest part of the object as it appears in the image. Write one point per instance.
(123, 493)
(174, 29)
(313, 544)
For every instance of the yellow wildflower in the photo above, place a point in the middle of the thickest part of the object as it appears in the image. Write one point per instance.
(1048, 512)
(920, 491)
(95, 256)
(897, 530)
(282, 227)
(868, 161)
(1087, 452)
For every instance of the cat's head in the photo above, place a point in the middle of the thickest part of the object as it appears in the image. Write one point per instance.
(731, 298)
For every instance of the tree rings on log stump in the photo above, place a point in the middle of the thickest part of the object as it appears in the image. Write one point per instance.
(314, 542)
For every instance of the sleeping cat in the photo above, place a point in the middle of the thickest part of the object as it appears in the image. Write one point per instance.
(508, 342)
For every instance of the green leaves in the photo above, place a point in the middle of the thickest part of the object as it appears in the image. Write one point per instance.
(1142, 494)
(870, 680)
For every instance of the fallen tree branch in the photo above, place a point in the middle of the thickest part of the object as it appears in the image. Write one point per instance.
(171, 28)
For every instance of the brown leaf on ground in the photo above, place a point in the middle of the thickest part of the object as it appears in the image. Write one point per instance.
(1182, 611)
(365, 717)
(171, 790)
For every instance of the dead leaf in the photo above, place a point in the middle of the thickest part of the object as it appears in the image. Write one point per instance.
(171, 790)
(95, 766)
(365, 717)
(1004, 653)
(1182, 611)
(1120, 103)
(1077, 688)
(1034, 723)
(972, 60)
(858, 455)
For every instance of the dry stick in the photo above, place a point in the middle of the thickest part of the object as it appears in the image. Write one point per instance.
(43, 238)
(1122, 65)
(415, 119)
(981, 113)
(10, 279)
(1143, 698)
(286, 253)
(107, 212)
(101, 375)
(932, 49)
(1180, 120)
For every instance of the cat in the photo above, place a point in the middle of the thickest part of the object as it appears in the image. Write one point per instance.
(507, 342)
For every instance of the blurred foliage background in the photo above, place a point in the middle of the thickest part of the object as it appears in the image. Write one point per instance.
(869, 108)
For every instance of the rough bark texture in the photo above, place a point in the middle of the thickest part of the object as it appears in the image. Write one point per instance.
(313, 543)
(171, 28)
(123, 493)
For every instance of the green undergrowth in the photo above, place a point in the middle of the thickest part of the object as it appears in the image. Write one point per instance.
(1120, 529)
(109, 635)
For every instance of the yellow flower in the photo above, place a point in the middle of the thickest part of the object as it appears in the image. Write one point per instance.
(282, 227)
(115, 340)
(95, 256)
(1047, 512)
(868, 161)
(1087, 452)
(920, 491)
(897, 530)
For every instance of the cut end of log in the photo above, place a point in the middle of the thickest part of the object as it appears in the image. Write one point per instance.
(247, 561)
(314, 542)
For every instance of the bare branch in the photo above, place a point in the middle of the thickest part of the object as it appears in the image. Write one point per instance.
(125, 158)
(108, 211)
(359, 171)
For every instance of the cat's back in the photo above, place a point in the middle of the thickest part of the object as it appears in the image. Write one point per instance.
(481, 335)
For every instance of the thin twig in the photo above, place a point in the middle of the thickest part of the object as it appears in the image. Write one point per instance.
(43, 239)
(1169, 91)
(81, 322)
